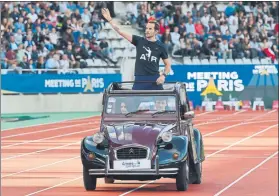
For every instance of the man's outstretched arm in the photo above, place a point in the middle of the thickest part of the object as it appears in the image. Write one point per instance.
(106, 14)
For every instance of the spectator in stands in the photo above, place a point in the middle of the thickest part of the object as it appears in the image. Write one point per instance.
(3, 59)
(48, 26)
(175, 36)
(52, 62)
(275, 48)
(64, 62)
(97, 52)
(213, 11)
(166, 39)
(24, 63)
(142, 19)
(69, 53)
(224, 50)
(190, 27)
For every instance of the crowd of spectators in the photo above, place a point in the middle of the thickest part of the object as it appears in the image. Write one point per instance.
(52, 35)
(238, 30)
(58, 35)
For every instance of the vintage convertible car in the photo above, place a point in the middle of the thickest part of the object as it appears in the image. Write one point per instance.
(144, 135)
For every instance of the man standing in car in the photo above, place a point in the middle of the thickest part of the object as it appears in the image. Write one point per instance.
(149, 52)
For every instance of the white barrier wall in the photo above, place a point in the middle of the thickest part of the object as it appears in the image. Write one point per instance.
(51, 103)
(61, 102)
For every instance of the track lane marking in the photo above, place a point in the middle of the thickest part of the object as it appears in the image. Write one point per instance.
(212, 154)
(246, 174)
(47, 138)
(50, 123)
(50, 129)
(39, 167)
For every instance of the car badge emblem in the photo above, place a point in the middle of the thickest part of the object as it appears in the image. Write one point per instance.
(131, 151)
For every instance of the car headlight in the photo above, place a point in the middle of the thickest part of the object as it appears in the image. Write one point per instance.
(167, 136)
(98, 138)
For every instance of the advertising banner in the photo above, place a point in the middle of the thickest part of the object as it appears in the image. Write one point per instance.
(57, 83)
(224, 82)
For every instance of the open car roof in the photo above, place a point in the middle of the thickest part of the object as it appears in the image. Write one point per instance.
(126, 88)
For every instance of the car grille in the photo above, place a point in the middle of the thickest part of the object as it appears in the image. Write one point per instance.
(131, 153)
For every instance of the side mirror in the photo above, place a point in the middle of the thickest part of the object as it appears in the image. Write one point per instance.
(189, 114)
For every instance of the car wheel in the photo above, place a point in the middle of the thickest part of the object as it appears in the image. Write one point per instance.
(109, 180)
(198, 168)
(182, 178)
(89, 181)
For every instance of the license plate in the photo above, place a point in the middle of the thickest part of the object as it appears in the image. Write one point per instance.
(132, 164)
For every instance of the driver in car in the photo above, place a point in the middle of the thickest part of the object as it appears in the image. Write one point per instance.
(123, 108)
(160, 104)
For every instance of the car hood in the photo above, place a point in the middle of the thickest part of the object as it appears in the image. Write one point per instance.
(135, 133)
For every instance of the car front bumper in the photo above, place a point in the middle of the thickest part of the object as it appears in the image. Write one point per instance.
(156, 171)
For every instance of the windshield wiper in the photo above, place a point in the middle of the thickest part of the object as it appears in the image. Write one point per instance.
(163, 112)
(137, 111)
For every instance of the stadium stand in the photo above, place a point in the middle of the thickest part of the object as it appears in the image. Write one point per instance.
(72, 36)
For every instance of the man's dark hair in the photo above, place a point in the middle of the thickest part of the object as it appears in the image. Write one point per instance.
(156, 27)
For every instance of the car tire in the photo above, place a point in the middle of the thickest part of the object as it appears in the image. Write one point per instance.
(198, 168)
(89, 181)
(109, 180)
(182, 178)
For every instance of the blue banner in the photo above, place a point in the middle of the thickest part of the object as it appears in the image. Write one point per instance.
(243, 82)
(57, 83)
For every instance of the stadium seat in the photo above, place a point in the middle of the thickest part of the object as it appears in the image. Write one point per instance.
(213, 61)
(247, 61)
(238, 61)
(112, 35)
(103, 35)
(256, 61)
(265, 61)
(118, 53)
(196, 61)
(205, 62)
(230, 62)
(115, 44)
(187, 61)
(90, 62)
(222, 61)
(107, 26)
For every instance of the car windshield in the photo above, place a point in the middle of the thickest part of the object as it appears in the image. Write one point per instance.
(140, 104)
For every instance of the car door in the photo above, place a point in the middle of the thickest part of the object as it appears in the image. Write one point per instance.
(187, 124)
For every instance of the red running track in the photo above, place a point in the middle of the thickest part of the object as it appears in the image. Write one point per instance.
(238, 146)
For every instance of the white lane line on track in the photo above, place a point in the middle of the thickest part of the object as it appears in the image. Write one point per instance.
(242, 140)
(78, 156)
(246, 174)
(201, 114)
(262, 115)
(212, 134)
(49, 123)
(47, 138)
(143, 185)
(39, 167)
(51, 129)
(39, 151)
(21, 155)
(123, 193)
(62, 183)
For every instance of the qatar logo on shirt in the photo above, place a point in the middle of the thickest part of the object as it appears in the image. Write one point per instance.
(147, 56)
